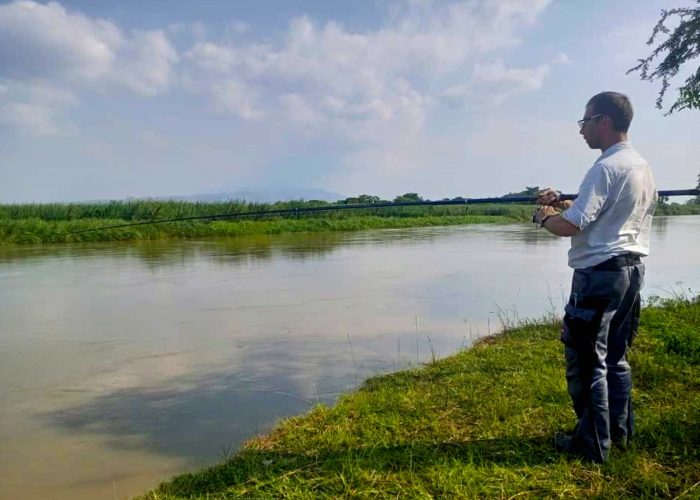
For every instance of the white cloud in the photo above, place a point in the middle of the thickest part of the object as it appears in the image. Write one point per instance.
(326, 75)
(237, 97)
(374, 90)
(48, 41)
(298, 109)
(42, 43)
(460, 28)
(32, 118)
(35, 107)
(500, 82)
(494, 82)
(145, 63)
(561, 58)
(322, 76)
(497, 73)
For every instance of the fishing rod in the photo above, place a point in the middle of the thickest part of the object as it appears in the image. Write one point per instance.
(369, 206)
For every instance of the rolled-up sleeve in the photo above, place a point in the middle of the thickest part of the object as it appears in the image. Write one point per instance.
(592, 195)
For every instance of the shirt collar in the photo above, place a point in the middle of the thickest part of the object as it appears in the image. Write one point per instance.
(614, 148)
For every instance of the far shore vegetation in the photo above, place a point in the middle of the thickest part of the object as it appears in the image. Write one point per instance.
(62, 222)
(480, 424)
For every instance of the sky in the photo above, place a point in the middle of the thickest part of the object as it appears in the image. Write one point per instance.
(151, 98)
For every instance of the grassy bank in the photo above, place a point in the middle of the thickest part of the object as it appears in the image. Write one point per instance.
(678, 209)
(38, 231)
(55, 222)
(480, 424)
(41, 224)
(142, 210)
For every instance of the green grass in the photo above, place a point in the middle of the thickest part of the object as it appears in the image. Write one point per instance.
(54, 222)
(479, 424)
(33, 231)
(678, 209)
(142, 210)
(135, 210)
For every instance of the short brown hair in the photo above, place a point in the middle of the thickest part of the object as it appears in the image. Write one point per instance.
(615, 105)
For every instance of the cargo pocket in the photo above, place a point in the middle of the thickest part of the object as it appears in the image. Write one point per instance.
(582, 323)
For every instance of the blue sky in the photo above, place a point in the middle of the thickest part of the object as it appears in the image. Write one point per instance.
(152, 98)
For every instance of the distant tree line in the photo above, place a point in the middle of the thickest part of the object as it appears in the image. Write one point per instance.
(368, 198)
(415, 197)
(691, 206)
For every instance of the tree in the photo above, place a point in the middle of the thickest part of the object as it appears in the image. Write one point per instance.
(681, 45)
(528, 191)
(408, 197)
(363, 199)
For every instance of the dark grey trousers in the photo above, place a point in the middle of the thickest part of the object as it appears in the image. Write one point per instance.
(599, 326)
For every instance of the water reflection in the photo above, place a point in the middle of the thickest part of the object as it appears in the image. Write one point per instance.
(660, 226)
(256, 248)
(218, 406)
(196, 414)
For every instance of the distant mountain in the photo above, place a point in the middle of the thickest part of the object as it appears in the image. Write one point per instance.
(265, 196)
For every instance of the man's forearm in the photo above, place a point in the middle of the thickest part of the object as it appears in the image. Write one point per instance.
(556, 224)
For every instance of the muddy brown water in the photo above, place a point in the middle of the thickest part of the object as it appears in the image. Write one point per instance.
(123, 364)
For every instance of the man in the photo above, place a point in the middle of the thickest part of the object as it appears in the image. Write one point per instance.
(609, 224)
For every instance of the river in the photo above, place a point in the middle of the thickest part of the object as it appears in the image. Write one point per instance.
(123, 364)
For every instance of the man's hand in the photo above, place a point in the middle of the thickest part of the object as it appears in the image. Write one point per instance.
(547, 196)
(542, 213)
(550, 197)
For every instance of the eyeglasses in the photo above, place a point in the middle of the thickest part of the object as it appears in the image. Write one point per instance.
(582, 122)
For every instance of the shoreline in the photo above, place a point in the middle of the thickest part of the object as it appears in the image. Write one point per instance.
(479, 424)
(35, 231)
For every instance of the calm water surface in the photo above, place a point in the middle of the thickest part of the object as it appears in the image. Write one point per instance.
(124, 364)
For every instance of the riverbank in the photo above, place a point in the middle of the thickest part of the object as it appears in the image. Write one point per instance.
(36, 231)
(480, 424)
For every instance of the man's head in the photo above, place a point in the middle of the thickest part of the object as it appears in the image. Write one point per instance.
(606, 120)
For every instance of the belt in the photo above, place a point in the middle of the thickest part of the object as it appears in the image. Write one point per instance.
(618, 262)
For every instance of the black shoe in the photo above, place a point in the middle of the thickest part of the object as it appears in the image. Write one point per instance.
(564, 443)
(567, 444)
(620, 444)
